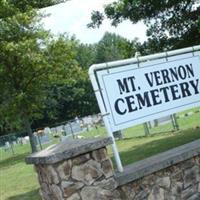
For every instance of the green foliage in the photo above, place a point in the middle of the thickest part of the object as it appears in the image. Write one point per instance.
(9, 7)
(23, 63)
(85, 55)
(199, 24)
(69, 92)
(171, 24)
(97, 18)
(29, 62)
(31, 65)
(114, 47)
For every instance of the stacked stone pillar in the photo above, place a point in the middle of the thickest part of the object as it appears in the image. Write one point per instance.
(75, 170)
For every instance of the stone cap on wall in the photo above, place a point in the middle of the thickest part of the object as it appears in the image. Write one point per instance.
(67, 149)
(158, 162)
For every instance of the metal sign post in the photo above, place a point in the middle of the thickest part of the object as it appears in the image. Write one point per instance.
(97, 91)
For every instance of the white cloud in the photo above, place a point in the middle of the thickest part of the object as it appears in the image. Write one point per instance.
(73, 16)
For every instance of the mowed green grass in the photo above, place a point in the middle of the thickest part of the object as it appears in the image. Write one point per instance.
(18, 181)
(135, 149)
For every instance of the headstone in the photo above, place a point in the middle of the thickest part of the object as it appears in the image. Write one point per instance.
(62, 138)
(59, 129)
(89, 127)
(25, 140)
(14, 143)
(118, 135)
(44, 139)
(164, 120)
(72, 128)
(47, 130)
(87, 120)
(76, 127)
(67, 129)
(160, 121)
(7, 146)
(53, 130)
(96, 118)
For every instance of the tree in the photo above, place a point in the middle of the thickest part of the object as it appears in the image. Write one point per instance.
(85, 55)
(73, 96)
(26, 65)
(9, 8)
(114, 47)
(22, 64)
(64, 100)
(171, 24)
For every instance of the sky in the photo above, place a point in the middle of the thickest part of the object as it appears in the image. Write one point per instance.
(74, 15)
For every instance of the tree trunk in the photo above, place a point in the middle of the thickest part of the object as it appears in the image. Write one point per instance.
(30, 134)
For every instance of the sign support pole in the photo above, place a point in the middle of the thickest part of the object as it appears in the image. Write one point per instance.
(106, 122)
(114, 147)
(117, 157)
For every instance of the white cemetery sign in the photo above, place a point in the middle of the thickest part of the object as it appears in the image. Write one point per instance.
(138, 90)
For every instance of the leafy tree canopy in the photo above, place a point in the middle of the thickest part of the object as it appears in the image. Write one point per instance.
(171, 24)
(30, 60)
(114, 47)
(10, 7)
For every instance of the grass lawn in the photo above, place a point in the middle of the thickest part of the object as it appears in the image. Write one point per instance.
(135, 149)
(18, 181)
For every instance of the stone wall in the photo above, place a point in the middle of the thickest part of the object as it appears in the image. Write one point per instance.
(82, 170)
(180, 182)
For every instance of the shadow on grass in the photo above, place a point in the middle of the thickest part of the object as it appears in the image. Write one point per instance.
(15, 159)
(31, 195)
(140, 152)
(151, 135)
